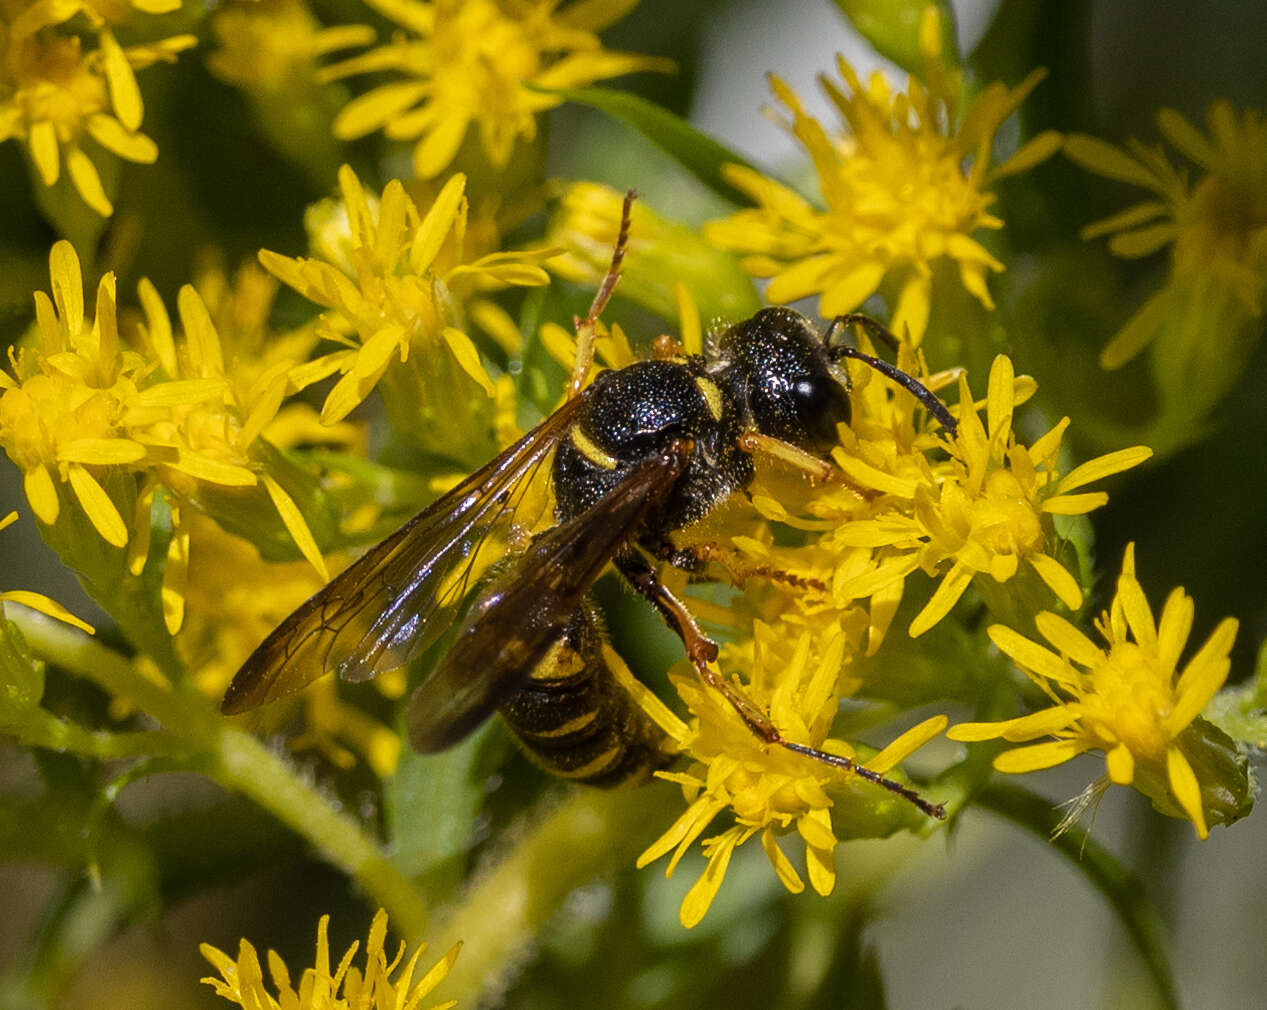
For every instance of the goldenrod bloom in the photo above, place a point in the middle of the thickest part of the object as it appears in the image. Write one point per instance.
(1128, 698)
(768, 789)
(985, 512)
(274, 45)
(393, 280)
(903, 186)
(474, 63)
(323, 987)
(1216, 226)
(65, 412)
(54, 94)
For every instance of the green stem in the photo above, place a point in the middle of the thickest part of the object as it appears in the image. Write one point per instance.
(1122, 888)
(236, 760)
(248, 766)
(504, 911)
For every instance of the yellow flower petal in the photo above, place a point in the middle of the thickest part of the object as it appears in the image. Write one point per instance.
(1075, 504)
(1202, 677)
(97, 505)
(943, 599)
(906, 744)
(40, 602)
(468, 358)
(41, 493)
(1120, 764)
(438, 223)
(1045, 722)
(296, 525)
(103, 451)
(1103, 466)
(125, 95)
(45, 151)
(83, 173)
(1039, 756)
(1068, 640)
(783, 867)
(1183, 783)
(1058, 580)
(702, 892)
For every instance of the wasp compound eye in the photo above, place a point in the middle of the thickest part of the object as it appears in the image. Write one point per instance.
(821, 404)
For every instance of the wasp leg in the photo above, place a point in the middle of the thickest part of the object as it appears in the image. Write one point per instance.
(702, 650)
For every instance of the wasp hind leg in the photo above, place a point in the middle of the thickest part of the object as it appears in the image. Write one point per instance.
(702, 651)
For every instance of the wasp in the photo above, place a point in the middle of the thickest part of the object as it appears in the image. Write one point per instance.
(641, 452)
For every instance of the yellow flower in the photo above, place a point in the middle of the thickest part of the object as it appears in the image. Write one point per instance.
(269, 45)
(38, 601)
(903, 187)
(1128, 699)
(475, 63)
(1216, 227)
(64, 411)
(322, 987)
(56, 94)
(770, 790)
(84, 411)
(987, 510)
(394, 282)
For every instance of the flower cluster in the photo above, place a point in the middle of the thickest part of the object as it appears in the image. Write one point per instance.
(903, 187)
(1216, 227)
(61, 86)
(81, 409)
(323, 987)
(773, 790)
(397, 286)
(482, 64)
(1128, 698)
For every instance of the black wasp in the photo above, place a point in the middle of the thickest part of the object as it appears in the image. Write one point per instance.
(643, 451)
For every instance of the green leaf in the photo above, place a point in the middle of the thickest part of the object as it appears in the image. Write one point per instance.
(1123, 890)
(697, 152)
(892, 27)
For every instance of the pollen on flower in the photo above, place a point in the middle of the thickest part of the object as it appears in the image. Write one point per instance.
(478, 64)
(1127, 698)
(380, 985)
(903, 186)
(768, 790)
(61, 88)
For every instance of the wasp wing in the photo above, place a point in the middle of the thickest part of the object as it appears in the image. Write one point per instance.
(398, 597)
(510, 629)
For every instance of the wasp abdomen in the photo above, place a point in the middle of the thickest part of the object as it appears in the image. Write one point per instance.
(576, 721)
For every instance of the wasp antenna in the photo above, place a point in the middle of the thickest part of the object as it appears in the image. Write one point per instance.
(585, 328)
(605, 289)
(872, 326)
(921, 392)
(839, 761)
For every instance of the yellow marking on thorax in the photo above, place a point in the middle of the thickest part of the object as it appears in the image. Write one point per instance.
(712, 395)
(587, 448)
